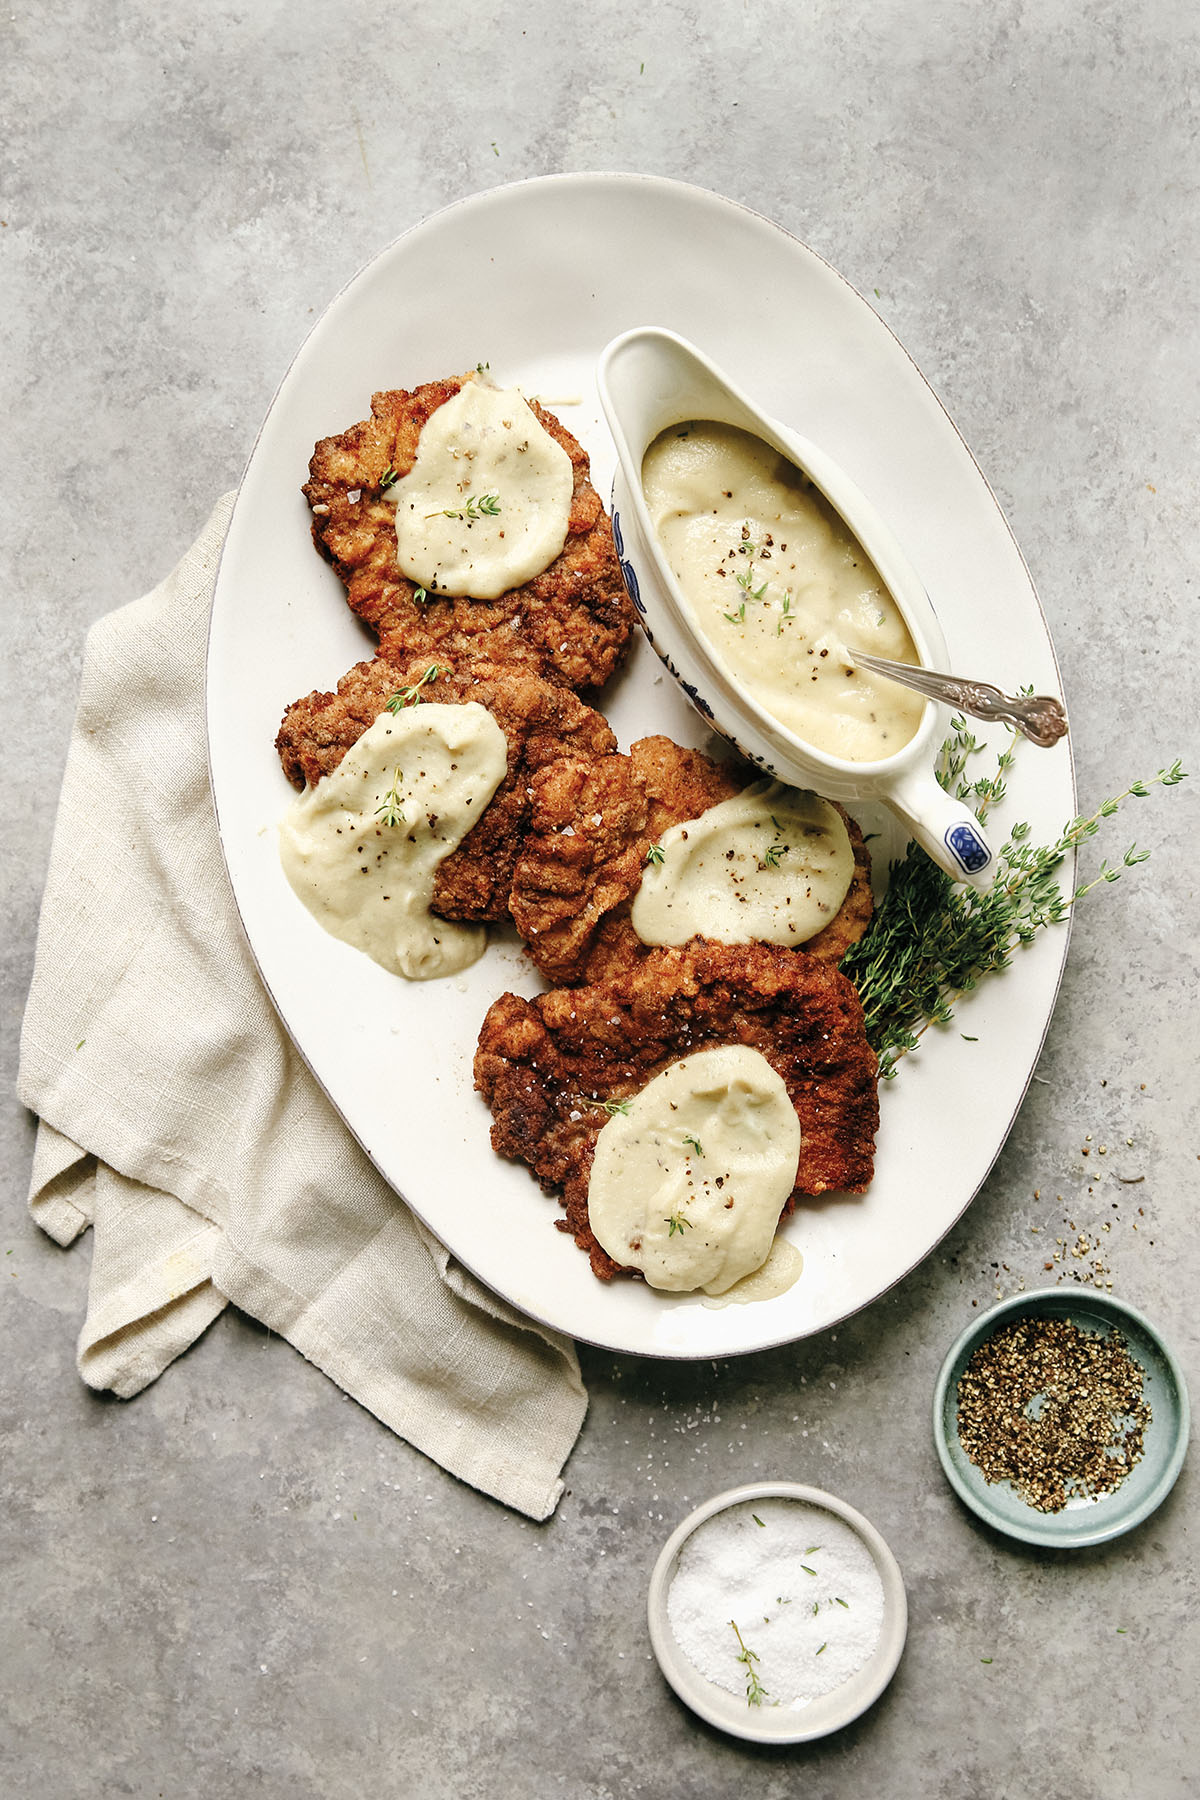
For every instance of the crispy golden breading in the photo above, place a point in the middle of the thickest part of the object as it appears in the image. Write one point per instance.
(581, 860)
(545, 1065)
(591, 825)
(572, 622)
(681, 784)
(540, 721)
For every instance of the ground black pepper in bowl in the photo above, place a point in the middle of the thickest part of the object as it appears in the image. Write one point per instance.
(1055, 1410)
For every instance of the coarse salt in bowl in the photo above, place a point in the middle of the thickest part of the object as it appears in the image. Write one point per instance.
(777, 1612)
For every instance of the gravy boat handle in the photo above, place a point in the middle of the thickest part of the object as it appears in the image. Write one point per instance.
(945, 828)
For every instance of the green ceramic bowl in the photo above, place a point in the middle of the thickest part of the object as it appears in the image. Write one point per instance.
(1082, 1521)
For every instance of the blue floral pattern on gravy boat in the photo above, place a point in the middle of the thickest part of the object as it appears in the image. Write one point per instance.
(968, 847)
(627, 568)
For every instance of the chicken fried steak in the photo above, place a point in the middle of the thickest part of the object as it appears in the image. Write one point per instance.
(590, 829)
(540, 721)
(572, 622)
(546, 1066)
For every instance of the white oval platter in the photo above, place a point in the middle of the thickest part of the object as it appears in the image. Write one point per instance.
(535, 279)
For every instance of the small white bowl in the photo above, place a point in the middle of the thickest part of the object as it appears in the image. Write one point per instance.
(779, 1725)
(650, 379)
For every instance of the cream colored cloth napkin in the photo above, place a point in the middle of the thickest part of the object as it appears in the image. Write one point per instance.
(177, 1120)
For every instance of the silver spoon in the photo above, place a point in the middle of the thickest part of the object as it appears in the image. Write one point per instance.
(1038, 717)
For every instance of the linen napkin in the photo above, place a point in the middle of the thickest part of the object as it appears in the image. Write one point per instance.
(178, 1121)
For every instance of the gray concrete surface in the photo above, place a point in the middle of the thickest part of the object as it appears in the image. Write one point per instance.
(239, 1583)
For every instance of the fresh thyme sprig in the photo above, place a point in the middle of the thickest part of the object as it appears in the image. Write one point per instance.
(389, 812)
(774, 854)
(612, 1107)
(745, 577)
(756, 1693)
(655, 856)
(697, 1146)
(475, 506)
(388, 479)
(410, 696)
(932, 941)
(956, 752)
(677, 1223)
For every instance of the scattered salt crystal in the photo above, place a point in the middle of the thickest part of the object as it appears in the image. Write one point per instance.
(802, 1588)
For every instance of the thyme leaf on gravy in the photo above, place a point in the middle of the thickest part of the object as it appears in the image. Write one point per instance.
(475, 506)
(745, 577)
(390, 812)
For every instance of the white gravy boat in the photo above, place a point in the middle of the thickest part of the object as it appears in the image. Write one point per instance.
(650, 379)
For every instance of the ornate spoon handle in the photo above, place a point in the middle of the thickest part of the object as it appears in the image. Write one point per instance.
(1038, 716)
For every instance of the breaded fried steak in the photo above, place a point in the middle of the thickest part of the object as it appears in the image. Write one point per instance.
(572, 622)
(590, 830)
(546, 1066)
(539, 719)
